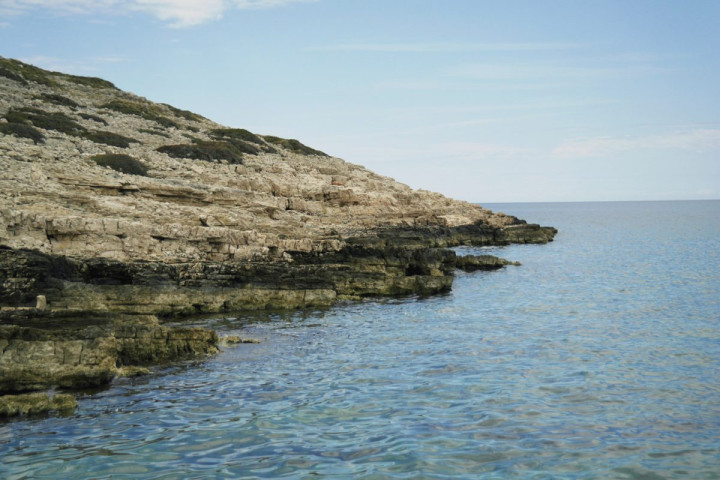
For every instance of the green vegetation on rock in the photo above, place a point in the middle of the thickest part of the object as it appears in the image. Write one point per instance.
(22, 72)
(89, 81)
(244, 140)
(110, 138)
(121, 163)
(12, 75)
(94, 118)
(293, 145)
(23, 123)
(57, 121)
(59, 100)
(186, 114)
(154, 132)
(236, 134)
(23, 130)
(148, 111)
(204, 150)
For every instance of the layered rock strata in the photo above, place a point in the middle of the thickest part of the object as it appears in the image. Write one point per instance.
(89, 352)
(112, 205)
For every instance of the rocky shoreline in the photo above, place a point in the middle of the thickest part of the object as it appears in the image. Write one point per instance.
(117, 213)
(96, 319)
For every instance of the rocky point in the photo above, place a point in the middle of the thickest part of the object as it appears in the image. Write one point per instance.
(117, 212)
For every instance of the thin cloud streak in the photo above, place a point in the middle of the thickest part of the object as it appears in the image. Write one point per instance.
(445, 47)
(249, 4)
(178, 13)
(18, 7)
(697, 140)
(535, 72)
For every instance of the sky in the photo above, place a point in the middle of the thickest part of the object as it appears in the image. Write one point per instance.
(484, 101)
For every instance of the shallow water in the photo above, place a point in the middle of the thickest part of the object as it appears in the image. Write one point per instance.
(599, 357)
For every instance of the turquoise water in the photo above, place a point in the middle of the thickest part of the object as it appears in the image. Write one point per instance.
(599, 357)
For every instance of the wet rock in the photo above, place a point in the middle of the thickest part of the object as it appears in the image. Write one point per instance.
(471, 263)
(62, 355)
(37, 358)
(132, 371)
(36, 403)
(235, 340)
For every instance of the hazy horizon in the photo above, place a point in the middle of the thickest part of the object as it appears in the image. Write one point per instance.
(512, 102)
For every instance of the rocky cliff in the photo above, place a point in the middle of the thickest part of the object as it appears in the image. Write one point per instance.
(114, 205)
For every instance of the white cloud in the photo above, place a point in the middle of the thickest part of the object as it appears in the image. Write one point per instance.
(179, 13)
(695, 140)
(552, 72)
(182, 13)
(16, 7)
(246, 4)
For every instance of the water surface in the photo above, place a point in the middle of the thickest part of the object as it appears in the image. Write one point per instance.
(597, 358)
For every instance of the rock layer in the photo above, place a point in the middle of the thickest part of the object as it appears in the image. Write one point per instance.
(87, 352)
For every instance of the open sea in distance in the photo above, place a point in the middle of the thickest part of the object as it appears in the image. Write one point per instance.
(599, 357)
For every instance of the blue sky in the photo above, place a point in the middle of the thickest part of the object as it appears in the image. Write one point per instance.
(486, 101)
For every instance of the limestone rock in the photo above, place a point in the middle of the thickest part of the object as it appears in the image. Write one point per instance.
(54, 198)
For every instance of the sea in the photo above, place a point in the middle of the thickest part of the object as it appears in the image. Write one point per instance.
(597, 358)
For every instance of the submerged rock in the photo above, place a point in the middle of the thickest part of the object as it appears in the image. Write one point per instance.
(235, 340)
